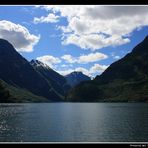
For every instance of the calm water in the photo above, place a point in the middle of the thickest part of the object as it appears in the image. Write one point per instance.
(86, 122)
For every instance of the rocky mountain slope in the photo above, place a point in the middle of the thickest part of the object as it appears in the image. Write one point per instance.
(125, 80)
(18, 72)
(57, 81)
(75, 78)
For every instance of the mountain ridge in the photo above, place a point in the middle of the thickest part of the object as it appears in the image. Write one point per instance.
(74, 78)
(124, 80)
(18, 72)
(58, 81)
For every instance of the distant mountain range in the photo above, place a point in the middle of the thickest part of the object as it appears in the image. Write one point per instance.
(57, 81)
(126, 80)
(18, 72)
(75, 78)
(23, 81)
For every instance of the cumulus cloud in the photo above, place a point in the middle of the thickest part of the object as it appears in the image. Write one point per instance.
(114, 56)
(78, 69)
(94, 41)
(65, 72)
(95, 69)
(18, 36)
(98, 68)
(83, 70)
(92, 57)
(84, 59)
(66, 66)
(51, 18)
(52, 62)
(68, 58)
(49, 60)
(94, 27)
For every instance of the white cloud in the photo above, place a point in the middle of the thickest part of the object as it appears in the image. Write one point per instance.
(65, 72)
(117, 57)
(114, 56)
(65, 11)
(84, 59)
(52, 62)
(18, 36)
(78, 69)
(51, 18)
(94, 27)
(94, 41)
(64, 69)
(66, 66)
(92, 57)
(63, 65)
(68, 58)
(83, 70)
(95, 69)
(49, 60)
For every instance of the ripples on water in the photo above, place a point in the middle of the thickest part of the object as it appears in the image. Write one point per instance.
(86, 122)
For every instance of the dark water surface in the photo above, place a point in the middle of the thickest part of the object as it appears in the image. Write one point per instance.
(73, 122)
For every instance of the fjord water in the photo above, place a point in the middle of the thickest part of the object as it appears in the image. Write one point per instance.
(73, 122)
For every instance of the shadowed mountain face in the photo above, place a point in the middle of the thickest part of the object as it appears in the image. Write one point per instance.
(18, 72)
(75, 78)
(132, 67)
(124, 80)
(4, 94)
(57, 81)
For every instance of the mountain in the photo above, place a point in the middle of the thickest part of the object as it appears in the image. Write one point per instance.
(57, 81)
(11, 94)
(19, 73)
(125, 80)
(75, 78)
(4, 93)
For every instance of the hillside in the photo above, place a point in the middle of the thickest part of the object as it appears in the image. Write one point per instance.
(11, 94)
(75, 78)
(18, 72)
(123, 81)
(57, 81)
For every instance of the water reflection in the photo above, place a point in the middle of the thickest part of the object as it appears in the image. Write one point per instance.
(85, 122)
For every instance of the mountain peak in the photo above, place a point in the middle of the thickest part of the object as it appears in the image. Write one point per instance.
(77, 72)
(18, 72)
(124, 80)
(76, 77)
(57, 81)
(38, 63)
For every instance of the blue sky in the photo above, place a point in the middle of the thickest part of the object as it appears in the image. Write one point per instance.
(74, 38)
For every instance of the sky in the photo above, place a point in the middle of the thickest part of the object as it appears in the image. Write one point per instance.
(86, 38)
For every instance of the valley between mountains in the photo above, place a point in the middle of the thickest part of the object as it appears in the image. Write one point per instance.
(22, 81)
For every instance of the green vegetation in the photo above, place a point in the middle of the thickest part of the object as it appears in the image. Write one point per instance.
(11, 94)
(18, 72)
(4, 94)
(112, 92)
(124, 81)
